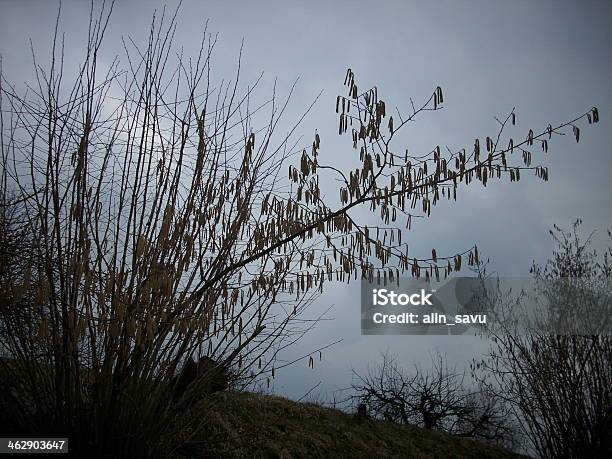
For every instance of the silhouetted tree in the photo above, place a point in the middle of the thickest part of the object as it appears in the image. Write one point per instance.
(436, 398)
(554, 368)
(165, 224)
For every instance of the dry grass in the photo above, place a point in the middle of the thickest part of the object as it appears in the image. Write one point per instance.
(253, 425)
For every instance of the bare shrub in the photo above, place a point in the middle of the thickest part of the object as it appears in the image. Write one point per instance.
(556, 375)
(153, 215)
(207, 375)
(437, 398)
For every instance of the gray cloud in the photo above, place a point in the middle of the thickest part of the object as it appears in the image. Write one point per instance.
(549, 59)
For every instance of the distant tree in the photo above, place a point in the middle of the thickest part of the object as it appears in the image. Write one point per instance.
(149, 219)
(554, 370)
(437, 398)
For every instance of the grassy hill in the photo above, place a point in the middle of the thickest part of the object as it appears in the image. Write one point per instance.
(253, 425)
(242, 424)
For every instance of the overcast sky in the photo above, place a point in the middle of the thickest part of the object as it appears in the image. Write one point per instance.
(549, 59)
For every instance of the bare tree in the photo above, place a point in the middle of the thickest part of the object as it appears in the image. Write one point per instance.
(163, 222)
(556, 375)
(437, 398)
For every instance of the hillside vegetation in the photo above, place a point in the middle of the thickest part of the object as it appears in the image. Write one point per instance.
(255, 425)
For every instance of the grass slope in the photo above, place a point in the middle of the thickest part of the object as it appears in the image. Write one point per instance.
(254, 425)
